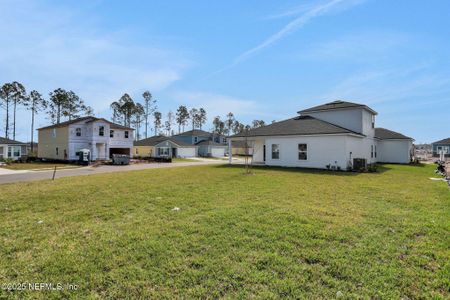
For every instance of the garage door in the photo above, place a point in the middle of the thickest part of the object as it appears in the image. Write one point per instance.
(218, 152)
(186, 152)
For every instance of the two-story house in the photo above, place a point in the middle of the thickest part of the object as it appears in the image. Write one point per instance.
(329, 135)
(103, 138)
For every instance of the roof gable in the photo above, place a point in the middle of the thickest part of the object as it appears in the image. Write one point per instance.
(195, 132)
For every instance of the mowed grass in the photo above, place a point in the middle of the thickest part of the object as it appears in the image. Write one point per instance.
(278, 233)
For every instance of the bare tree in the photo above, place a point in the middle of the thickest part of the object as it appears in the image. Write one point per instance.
(169, 122)
(201, 117)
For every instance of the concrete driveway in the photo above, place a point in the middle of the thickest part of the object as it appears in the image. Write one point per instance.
(20, 176)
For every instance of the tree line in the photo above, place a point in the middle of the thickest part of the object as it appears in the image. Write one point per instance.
(63, 105)
(60, 105)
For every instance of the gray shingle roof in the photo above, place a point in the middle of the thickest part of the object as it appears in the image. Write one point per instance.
(444, 141)
(302, 125)
(87, 120)
(195, 132)
(5, 141)
(155, 140)
(339, 104)
(210, 143)
(386, 134)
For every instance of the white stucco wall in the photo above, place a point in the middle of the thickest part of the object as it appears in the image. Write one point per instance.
(394, 151)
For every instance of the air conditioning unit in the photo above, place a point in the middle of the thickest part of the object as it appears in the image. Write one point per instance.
(359, 164)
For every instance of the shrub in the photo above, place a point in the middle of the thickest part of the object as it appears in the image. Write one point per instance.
(372, 168)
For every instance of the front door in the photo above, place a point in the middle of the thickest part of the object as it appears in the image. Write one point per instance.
(174, 152)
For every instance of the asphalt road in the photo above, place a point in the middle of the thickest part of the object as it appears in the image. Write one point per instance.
(43, 175)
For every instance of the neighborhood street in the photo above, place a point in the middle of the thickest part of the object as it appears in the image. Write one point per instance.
(8, 176)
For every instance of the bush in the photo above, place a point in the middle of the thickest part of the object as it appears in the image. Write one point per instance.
(372, 168)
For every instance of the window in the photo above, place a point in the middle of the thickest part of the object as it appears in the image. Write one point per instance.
(57, 151)
(371, 151)
(101, 130)
(275, 151)
(54, 132)
(302, 151)
(375, 151)
(163, 151)
(126, 134)
(111, 133)
(78, 131)
(195, 139)
(373, 121)
(137, 151)
(224, 140)
(14, 151)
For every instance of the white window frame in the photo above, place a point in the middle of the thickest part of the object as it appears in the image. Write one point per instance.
(272, 152)
(12, 150)
(78, 131)
(101, 130)
(371, 151)
(300, 151)
(126, 134)
(195, 139)
(111, 133)
(164, 154)
(54, 132)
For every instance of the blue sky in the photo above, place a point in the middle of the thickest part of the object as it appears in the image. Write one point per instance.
(258, 59)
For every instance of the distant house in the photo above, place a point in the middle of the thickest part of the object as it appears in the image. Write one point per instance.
(442, 145)
(209, 144)
(10, 149)
(211, 149)
(338, 134)
(163, 146)
(103, 138)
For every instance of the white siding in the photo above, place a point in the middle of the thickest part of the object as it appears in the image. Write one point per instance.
(347, 118)
(322, 150)
(394, 151)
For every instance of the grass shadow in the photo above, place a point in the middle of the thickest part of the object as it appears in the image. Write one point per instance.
(381, 169)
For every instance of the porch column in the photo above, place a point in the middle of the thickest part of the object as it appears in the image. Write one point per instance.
(230, 151)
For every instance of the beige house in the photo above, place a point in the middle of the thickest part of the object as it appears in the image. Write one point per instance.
(103, 138)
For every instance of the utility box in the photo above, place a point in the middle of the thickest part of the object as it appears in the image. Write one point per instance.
(359, 164)
(121, 159)
(84, 156)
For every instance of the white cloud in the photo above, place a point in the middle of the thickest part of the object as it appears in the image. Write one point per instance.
(46, 47)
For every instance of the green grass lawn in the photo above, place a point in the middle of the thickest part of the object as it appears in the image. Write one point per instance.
(278, 233)
(37, 166)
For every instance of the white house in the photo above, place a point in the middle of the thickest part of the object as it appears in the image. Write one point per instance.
(102, 137)
(10, 149)
(337, 135)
